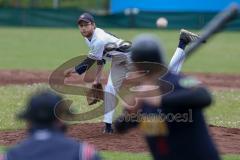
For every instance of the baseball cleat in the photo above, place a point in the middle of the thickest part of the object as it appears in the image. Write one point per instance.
(188, 36)
(108, 129)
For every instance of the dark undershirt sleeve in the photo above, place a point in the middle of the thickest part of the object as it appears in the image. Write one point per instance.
(84, 66)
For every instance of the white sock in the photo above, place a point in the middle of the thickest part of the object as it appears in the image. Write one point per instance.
(177, 60)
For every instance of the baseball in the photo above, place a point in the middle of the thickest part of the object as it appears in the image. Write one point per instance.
(162, 22)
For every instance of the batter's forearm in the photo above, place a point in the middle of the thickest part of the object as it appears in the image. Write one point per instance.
(192, 98)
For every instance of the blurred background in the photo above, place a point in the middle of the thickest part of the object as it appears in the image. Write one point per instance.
(112, 13)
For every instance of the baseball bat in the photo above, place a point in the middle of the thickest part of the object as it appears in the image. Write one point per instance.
(214, 26)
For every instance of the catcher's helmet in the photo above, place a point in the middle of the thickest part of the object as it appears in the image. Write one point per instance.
(146, 48)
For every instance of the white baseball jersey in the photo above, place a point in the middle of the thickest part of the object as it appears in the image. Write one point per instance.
(99, 39)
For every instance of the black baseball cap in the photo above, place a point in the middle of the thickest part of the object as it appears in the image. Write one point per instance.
(40, 107)
(87, 17)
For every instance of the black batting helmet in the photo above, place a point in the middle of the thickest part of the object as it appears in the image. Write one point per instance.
(147, 48)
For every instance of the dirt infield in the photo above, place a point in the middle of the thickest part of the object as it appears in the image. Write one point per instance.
(213, 80)
(227, 139)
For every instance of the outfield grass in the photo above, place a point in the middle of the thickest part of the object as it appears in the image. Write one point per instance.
(47, 48)
(145, 156)
(124, 155)
(225, 111)
(133, 156)
(2, 149)
(14, 98)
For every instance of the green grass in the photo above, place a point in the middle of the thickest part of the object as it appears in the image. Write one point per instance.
(2, 149)
(125, 155)
(47, 48)
(225, 111)
(231, 157)
(14, 99)
(146, 156)
(133, 156)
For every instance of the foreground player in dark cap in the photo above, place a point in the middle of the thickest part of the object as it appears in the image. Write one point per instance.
(174, 126)
(46, 139)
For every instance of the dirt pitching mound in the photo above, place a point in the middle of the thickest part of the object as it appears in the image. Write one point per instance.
(227, 139)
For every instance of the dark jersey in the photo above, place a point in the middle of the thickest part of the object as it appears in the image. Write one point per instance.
(51, 145)
(182, 133)
(176, 130)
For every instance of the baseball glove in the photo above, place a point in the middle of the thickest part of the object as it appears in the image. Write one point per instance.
(95, 94)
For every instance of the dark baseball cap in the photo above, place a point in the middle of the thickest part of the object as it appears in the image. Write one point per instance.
(87, 17)
(40, 107)
(147, 47)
